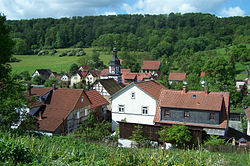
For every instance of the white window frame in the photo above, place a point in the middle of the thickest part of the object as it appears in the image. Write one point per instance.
(144, 108)
(121, 108)
(132, 95)
(82, 99)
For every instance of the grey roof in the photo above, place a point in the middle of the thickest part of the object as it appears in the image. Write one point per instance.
(110, 85)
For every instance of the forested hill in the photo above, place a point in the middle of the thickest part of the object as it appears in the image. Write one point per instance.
(159, 34)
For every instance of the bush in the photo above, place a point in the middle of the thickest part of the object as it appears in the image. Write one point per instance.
(14, 152)
(214, 140)
(52, 52)
(177, 135)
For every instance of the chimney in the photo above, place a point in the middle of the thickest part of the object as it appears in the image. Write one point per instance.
(206, 90)
(184, 89)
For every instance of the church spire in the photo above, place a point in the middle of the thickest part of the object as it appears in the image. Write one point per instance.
(115, 67)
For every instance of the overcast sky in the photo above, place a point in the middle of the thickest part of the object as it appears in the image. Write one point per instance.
(27, 9)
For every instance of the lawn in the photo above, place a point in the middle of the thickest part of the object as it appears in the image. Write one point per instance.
(55, 63)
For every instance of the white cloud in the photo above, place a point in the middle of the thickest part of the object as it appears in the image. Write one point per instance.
(167, 6)
(233, 11)
(25, 9)
(109, 13)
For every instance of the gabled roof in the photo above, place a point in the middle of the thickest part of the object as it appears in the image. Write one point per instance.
(125, 71)
(110, 85)
(177, 76)
(151, 65)
(213, 101)
(130, 76)
(105, 72)
(84, 67)
(96, 99)
(141, 76)
(39, 91)
(63, 102)
(44, 72)
(95, 73)
(248, 113)
(152, 87)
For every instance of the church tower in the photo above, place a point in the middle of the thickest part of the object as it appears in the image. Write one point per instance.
(115, 67)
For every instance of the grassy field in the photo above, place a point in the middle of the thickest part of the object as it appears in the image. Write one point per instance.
(55, 63)
(67, 150)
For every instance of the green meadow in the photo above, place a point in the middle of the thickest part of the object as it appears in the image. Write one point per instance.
(55, 63)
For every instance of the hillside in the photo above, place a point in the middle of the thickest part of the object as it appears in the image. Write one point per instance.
(67, 150)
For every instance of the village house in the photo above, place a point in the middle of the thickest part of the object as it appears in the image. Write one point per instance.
(136, 103)
(152, 67)
(83, 68)
(92, 76)
(177, 77)
(204, 110)
(77, 77)
(44, 73)
(106, 88)
(65, 77)
(60, 111)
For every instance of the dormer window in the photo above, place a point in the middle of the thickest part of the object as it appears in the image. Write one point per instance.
(132, 95)
(82, 99)
(194, 96)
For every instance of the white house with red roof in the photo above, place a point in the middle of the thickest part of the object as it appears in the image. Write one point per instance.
(177, 77)
(152, 67)
(136, 103)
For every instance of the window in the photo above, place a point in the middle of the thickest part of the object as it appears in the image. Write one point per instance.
(132, 95)
(144, 110)
(82, 99)
(166, 113)
(78, 114)
(212, 116)
(121, 108)
(194, 96)
(86, 112)
(186, 114)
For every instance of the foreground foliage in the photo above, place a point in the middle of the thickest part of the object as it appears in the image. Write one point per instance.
(67, 150)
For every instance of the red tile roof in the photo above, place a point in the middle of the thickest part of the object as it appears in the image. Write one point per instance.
(95, 73)
(96, 99)
(39, 91)
(125, 71)
(63, 102)
(83, 74)
(141, 76)
(248, 113)
(104, 72)
(177, 76)
(179, 99)
(152, 87)
(84, 67)
(130, 76)
(151, 65)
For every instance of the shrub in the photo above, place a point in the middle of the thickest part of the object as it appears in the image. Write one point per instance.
(14, 152)
(177, 134)
(214, 140)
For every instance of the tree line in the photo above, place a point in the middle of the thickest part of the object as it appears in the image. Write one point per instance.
(164, 34)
